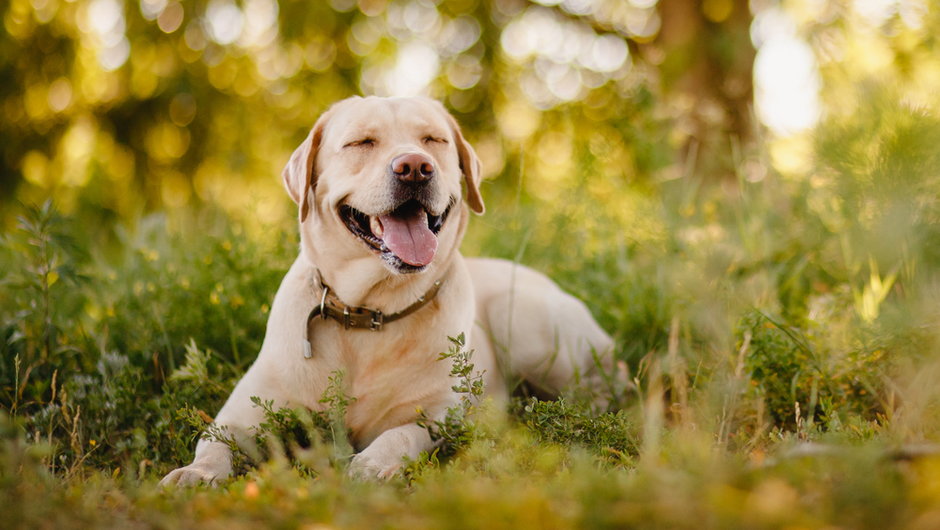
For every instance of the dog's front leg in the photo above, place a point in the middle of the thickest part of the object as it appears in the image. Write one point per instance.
(236, 421)
(385, 455)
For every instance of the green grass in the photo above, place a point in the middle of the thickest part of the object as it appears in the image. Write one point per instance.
(781, 337)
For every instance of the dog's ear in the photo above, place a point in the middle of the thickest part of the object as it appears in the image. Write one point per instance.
(299, 173)
(470, 165)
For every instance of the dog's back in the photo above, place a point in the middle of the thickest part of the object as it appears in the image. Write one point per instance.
(538, 332)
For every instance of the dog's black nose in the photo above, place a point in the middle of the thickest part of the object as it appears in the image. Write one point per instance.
(412, 167)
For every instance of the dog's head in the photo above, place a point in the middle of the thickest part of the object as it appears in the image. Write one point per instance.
(386, 174)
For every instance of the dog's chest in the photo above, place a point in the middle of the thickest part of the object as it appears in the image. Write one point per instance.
(390, 375)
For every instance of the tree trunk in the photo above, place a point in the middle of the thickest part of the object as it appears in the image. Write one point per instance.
(706, 72)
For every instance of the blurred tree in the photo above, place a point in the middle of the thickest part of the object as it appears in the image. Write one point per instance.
(700, 55)
(135, 107)
(706, 72)
(122, 107)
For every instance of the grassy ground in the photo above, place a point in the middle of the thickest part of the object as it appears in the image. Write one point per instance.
(781, 334)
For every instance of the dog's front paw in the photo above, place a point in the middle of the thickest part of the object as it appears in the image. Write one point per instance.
(195, 474)
(369, 466)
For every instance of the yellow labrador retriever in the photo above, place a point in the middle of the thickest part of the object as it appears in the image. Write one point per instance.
(379, 285)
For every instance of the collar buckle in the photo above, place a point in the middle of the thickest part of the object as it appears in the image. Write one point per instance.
(323, 302)
(377, 321)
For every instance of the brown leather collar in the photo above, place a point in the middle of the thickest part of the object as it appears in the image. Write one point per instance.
(359, 317)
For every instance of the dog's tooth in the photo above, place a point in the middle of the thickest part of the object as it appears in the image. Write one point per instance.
(376, 226)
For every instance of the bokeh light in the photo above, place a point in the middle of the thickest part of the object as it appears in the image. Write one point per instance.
(786, 79)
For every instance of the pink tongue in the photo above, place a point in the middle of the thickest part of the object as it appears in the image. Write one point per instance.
(409, 237)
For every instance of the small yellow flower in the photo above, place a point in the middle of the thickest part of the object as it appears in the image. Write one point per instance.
(92, 443)
(227, 245)
(214, 298)
(237, 301)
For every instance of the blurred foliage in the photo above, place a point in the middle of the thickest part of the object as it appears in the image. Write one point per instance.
(772, 295)
(119, 108)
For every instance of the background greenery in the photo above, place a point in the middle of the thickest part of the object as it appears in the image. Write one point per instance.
(773, 295)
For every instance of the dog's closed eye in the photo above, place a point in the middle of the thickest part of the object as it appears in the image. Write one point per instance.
(433, 139)
(365, 142)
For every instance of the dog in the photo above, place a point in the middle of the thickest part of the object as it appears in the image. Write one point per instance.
(379, 285)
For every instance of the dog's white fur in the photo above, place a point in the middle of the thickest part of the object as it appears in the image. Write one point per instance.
(519, 323)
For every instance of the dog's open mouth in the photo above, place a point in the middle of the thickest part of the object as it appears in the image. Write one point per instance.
(406, 237)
